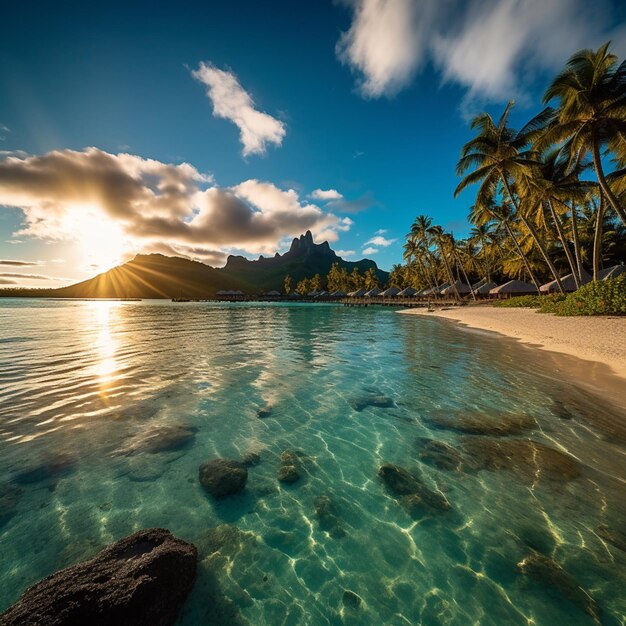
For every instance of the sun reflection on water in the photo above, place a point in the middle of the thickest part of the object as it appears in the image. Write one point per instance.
(106, 366)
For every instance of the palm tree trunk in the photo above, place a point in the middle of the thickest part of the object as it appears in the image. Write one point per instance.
(597, 239)
(458, 260)
(522, 256)
(559, 230)
(534, 235)
(543, 251)
(448, 270)
(579, 262)
(608, 192)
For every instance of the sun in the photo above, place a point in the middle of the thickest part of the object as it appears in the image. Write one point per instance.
(101, 241)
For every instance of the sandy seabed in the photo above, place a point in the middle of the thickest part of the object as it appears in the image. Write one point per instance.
(601, 340)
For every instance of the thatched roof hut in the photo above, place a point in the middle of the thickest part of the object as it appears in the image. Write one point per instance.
(484, 289)
(273, 293)
(568, 282)
(409, 292)
(359, 293)
(373, 293)
(611, 272)
(514, 288)
(391, 292)
(458, 287)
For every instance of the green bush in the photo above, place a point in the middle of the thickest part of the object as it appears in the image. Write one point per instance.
(607, 297)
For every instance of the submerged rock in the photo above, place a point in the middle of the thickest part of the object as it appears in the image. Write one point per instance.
(528, 459)
(377, 401)
(326, 514)
(561, 410)
(549, 573)
(10, 495)
(351, 599)
(292, 464)
(614, 537)
(163, 438)
(223, 477)
(142, 580)
(413, 491)
(251, 459)
(264, 412)
(439, 454)
(47, 470)
(288, 474)
(481, 424)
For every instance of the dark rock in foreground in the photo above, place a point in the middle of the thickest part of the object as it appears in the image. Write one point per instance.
(530, 460)
(412, 490)
(141, 580)
(550, 574)
(481, 424)
(223, 477)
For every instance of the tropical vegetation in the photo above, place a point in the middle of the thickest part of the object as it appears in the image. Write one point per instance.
(550, 197)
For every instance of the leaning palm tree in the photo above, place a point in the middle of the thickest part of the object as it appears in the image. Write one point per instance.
(442, 240)
(591, 112)
(500, 157)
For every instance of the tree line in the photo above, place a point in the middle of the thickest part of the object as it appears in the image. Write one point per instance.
(551, 196)
(337, 279)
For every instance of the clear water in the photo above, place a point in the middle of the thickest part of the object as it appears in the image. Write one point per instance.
(82, 383)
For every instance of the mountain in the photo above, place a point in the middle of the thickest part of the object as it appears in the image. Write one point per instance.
(303, 260)
(159, 276)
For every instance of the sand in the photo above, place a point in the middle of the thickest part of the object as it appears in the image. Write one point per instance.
(597, 339)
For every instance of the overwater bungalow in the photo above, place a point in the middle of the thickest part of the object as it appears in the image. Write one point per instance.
(409, 292)
(390, 293)
(458, 287)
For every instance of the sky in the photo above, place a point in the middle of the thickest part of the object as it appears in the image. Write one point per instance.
(216, 128)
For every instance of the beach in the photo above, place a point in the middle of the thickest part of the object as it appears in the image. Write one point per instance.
(601, 340)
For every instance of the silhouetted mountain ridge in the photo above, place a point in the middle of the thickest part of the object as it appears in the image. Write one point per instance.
(160, 276)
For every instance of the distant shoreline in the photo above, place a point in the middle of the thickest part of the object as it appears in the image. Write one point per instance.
(597, 343)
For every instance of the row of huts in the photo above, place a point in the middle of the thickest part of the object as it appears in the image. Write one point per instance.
(485, 288)
(481, 289)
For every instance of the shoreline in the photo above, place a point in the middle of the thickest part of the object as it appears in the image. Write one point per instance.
(591, 349)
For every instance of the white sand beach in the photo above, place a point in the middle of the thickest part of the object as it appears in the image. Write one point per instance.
(597, 339)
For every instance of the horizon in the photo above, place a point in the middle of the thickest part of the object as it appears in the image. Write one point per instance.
(178, 141)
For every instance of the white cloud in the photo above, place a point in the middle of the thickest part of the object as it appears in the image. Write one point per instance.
(232, 102)
(326, 194)
(380, 241)
(386, 42)
(370, 250)
(381, 231)
(148, 205)
(346, 254)
(493, 48)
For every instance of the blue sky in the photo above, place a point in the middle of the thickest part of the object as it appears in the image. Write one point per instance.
(369, 98)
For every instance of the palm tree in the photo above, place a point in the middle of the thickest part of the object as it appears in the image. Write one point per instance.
(442, 240)
(591, 112)
(483, 214)
(499, 155)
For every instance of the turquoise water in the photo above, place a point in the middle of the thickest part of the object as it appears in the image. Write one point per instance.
(84, 385)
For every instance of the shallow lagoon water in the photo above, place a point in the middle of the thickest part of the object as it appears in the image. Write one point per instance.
(84, 384)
